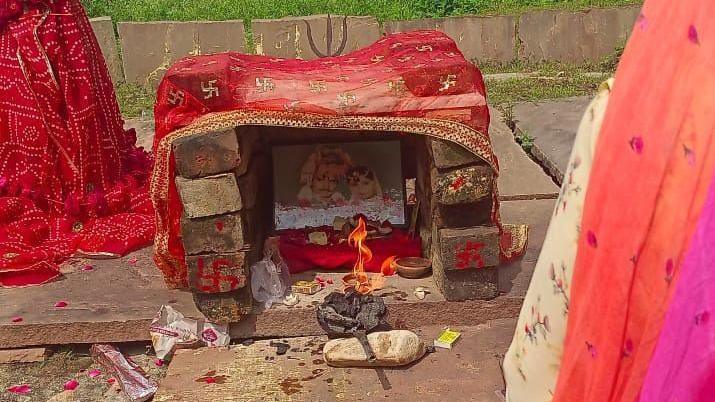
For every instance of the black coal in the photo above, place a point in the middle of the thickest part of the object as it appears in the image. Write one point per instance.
(352, 314)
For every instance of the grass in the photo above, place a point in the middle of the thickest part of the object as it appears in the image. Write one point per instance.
(505, 92)
(185, 10)
(134, 100)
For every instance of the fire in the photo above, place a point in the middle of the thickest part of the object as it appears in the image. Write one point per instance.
(359, 279)
(357, 239)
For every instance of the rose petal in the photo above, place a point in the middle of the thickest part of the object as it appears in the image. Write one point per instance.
(61, 304)
(88, 268)
(94, 373)
(693, 35)
(71, 385)
(23, 389)
(330, 281)
(159, 362)
(133, 261)
(16, 319)
(111, 380)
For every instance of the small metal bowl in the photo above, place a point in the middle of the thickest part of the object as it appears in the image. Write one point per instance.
(412, 267)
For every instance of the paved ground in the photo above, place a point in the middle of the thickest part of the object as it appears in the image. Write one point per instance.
(553, 125)
(468, 372)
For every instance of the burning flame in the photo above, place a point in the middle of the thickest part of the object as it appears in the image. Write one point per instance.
(387, 269)
(357, 239)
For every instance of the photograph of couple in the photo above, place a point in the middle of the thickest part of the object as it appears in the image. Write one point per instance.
(314, 184)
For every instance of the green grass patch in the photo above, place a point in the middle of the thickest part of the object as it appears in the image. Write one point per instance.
(134, 100)
(505, 92)
(216, 10)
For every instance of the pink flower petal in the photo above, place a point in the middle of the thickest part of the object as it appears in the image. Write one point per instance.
(111, 380)
(23, 389)
(88, 267)
(16, 319)
(94, 373)
(592, 240)
(71, 385)
(61, 304)
(159, 363)
(693, 35)
(133, 261)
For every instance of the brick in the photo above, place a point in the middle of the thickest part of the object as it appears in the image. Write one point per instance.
(217, 273)
(463, 186)
(206, 154)
(253, 181)
(471, 284)
(447, 155)
(249, 140)
(225, 307)
(32, 355)
(208, 196)
(463, 215)
(214, 234)
(473, 248)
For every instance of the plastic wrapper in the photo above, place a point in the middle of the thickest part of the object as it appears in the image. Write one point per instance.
(131, 378)
(170, 330)
(270, 279)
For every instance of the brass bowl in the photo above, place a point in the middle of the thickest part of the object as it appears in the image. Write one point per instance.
(412, 267)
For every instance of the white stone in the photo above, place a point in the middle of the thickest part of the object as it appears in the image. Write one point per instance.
(393, 348)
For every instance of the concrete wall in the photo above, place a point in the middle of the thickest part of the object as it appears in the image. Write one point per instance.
(148, 49)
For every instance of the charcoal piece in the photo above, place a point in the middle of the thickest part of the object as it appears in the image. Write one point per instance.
(281, 347)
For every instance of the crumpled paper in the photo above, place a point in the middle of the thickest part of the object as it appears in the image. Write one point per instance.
(131, 377)
(170, 331)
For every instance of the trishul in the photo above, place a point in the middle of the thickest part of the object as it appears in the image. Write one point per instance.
(328, 38)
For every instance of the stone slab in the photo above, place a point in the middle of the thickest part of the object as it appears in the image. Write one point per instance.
(520, 178)
(150, 48)
(104, 31)
(307, 37)
(118, 299)
(225, 307)
(31, 355)
(217, 273)
(574, 36)
(470, 371)
(206, 154)
(479, 38)
(553, 125)
(209, 196)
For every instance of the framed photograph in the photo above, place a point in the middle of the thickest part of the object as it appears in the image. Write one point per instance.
(313, 184)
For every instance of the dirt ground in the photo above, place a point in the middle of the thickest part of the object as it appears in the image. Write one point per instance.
(48, 378)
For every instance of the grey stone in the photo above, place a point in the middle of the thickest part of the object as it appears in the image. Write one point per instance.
(289, 37)
(215, 234)
(463, 186)
(472, 248)
(479, 38)
(104, 31)
(483, 38)
(216, 273)
(448, 155)
(553, 126)
(574, 36)
(209, 196)
(206, 154)
(150, 48)
(392, 349)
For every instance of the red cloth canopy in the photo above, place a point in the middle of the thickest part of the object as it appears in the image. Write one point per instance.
(417, 82)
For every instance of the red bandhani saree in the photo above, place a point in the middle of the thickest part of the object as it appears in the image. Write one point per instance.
(71, 180)
(417, 83)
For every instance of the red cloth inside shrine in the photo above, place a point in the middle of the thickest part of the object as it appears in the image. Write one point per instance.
(417, 82)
